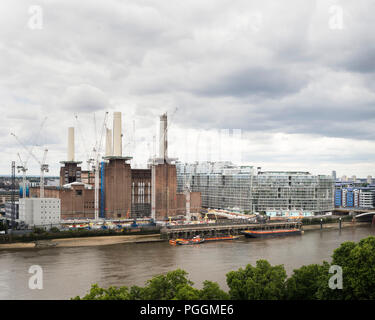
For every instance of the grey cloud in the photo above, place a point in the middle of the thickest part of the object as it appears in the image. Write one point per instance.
(267, 82)
(84, 98)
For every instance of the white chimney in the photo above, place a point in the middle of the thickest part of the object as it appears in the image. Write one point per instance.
(117, 141)
(70, 144)
(108, 143)
(163, 145)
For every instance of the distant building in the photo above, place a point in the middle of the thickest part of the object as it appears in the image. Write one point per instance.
(354, 197)
(6, 196)
(227, 186)
(8, 210)
(40, 211)
(334, 175)
(369, 179)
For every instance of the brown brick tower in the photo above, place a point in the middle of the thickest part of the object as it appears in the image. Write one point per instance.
(70, 171)
(164, 178)
(117, 177)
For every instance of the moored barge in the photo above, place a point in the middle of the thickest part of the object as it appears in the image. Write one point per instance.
(271, 233)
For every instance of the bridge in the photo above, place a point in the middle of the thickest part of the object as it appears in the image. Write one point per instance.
(222, 228)
(348, 210)
(366, 216)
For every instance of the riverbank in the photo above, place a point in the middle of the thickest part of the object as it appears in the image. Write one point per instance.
(335, 225)
(83, 241)
(109, 240)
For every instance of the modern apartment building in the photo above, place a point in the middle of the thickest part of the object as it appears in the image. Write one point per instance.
(354, 197)
(227, 186)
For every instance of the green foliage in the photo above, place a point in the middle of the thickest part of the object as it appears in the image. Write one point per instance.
(187, 292)
(358, 269)
(173, 286)
(3, 226)
(112, 293)
(212, 291)
(38, 230)
(166, 287)
(304, 282)
(54, 230)
(41, 234)
(262, 282)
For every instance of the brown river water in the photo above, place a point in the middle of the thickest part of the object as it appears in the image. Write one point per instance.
(68, 272)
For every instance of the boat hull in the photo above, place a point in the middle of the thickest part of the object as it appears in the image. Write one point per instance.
(271, 234)
(182, 242)
(222, 238)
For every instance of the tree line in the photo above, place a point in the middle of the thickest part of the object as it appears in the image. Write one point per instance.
(264, 281)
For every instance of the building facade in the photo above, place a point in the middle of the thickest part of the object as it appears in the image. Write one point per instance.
(39, 211)
(226, 186)
(354, 197)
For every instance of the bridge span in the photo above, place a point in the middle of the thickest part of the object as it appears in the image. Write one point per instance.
(366, 216)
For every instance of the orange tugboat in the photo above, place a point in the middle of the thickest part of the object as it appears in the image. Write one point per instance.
(270, 233)
(195, 240)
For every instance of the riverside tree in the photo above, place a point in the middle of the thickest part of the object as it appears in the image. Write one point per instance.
(262, 282)
(305, 282)
(173, 286)
(357, 261)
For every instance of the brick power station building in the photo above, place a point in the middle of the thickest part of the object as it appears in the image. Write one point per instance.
(123, 192)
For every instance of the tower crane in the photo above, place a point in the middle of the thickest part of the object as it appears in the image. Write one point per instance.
(23, 167)
(43, 165)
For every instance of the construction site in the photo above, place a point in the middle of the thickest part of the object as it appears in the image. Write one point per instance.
(111, 189)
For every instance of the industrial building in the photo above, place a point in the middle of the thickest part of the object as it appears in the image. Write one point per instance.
(113, 190)
(226, 186)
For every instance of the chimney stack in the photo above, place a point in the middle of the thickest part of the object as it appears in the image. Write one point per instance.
(163, 145)
(70, 144)
(108, 143)
(117, 139)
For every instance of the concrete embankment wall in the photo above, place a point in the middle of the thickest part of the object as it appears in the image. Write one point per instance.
(83, 241)
(334, 225)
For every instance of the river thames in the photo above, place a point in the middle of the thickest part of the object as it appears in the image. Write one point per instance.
(68, 272)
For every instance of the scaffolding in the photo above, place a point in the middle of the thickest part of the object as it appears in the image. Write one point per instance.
(226, 186)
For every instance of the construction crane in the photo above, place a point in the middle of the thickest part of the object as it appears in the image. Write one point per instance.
(23, 167)
(43, 165)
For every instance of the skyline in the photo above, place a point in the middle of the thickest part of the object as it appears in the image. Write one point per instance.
(296, 79)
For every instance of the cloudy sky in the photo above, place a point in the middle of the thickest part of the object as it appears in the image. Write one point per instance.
(277, 84)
